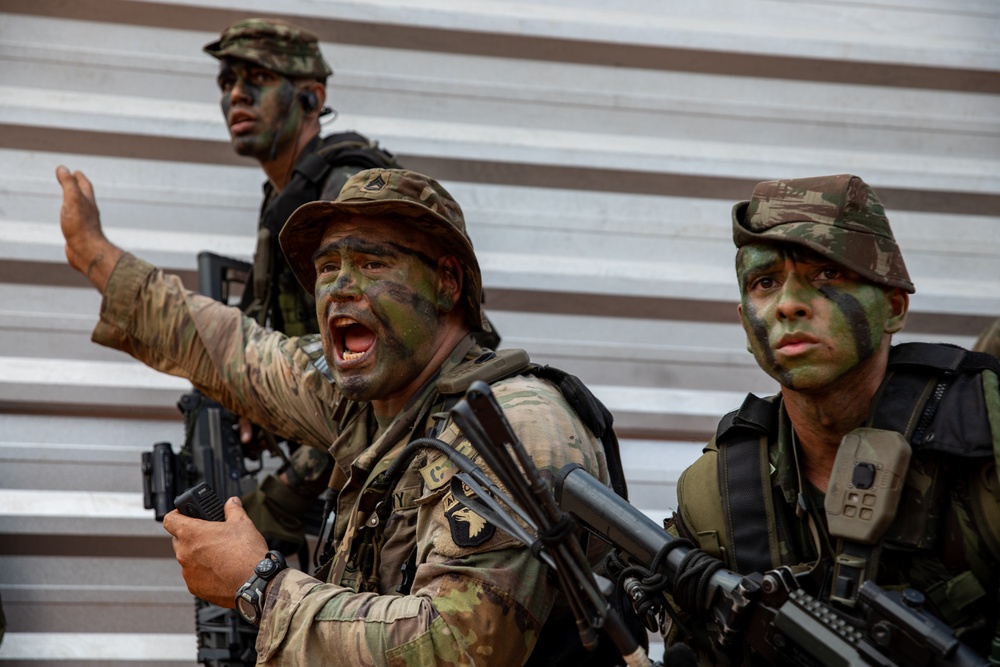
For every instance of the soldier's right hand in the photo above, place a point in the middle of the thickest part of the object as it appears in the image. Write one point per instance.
(87, 249)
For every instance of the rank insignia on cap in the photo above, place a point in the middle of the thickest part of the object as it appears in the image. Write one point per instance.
(468, 529)
(375, 184)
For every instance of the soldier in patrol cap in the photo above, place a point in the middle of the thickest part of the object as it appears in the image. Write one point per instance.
(272, 77)
(823, 287)
(412, 578)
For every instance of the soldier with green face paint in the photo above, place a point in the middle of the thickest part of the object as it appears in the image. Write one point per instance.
(272, 79)
(823, 288)
(412, 577)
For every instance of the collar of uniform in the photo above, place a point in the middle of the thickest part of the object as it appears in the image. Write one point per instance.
(269, 191)
(413, 415)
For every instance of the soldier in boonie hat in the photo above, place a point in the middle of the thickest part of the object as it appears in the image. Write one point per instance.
(277, 45)
(838, 217)
(397, 193)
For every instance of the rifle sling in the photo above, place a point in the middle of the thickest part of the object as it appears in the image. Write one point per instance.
(742, 477)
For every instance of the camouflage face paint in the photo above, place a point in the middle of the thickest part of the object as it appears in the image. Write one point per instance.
(258, 107)
(377, 301)
(856, 316)
(809, 321)
(757, 337)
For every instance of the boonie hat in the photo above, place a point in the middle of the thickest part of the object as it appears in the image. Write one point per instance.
(838, 217)
(387, 192)
(279, 46)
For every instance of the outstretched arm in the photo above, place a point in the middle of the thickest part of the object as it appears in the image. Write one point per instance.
(87, 249)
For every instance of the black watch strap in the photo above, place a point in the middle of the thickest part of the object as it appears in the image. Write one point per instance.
(250, 597)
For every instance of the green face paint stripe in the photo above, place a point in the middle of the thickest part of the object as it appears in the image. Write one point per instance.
(393, 312)
(856, 316)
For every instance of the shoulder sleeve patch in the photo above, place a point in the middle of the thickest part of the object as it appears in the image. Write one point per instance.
(468, 529)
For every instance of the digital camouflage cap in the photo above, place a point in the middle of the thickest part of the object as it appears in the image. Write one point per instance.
(838, 217)
(394, 193)
(278, 45)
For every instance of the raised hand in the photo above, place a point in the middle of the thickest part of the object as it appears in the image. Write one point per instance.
(87, 249)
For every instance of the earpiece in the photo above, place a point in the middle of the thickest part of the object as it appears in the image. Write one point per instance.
(308, 100)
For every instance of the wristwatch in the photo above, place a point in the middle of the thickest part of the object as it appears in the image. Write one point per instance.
(250, 597)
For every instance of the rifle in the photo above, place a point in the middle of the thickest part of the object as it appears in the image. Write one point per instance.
(212, 453)
(770, 611)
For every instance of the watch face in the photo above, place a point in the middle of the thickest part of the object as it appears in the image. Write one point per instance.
(246, 610)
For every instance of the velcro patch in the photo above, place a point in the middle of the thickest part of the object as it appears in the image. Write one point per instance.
(440, 468)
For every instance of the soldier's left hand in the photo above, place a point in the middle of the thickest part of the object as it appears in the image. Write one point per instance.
(216, 557)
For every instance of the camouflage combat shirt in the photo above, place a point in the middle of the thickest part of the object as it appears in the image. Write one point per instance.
(941, 558)
(478, 598)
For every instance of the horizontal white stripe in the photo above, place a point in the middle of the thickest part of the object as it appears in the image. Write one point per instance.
(76, 504)
(470, 141)
(78, 373)
(98, 646)
(813, 30)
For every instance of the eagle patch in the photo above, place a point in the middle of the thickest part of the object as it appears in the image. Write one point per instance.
(468, 529)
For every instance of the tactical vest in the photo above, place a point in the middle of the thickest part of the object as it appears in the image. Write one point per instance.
(936, 396)
(272, 295)
(558, 644)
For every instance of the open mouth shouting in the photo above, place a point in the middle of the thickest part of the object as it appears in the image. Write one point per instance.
(352, 341)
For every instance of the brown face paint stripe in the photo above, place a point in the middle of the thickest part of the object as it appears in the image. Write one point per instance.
(548, 49)
(109, 144)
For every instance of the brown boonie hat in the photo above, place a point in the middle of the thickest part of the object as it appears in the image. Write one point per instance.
(278, 45)
(382, 192)
(838, 217)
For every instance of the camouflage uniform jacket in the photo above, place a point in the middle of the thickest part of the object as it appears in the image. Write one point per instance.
(477, 597)
(953, 561)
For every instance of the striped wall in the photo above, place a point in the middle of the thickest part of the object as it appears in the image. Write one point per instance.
(596, 146)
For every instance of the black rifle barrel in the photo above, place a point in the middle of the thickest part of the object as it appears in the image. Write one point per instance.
(612, 518)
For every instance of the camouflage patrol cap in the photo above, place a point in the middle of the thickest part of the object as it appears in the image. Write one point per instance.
(838, 217)
(279, 46)
(394, 193)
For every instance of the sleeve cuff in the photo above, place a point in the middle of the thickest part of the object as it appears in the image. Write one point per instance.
(126, 280)
(289, 588)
